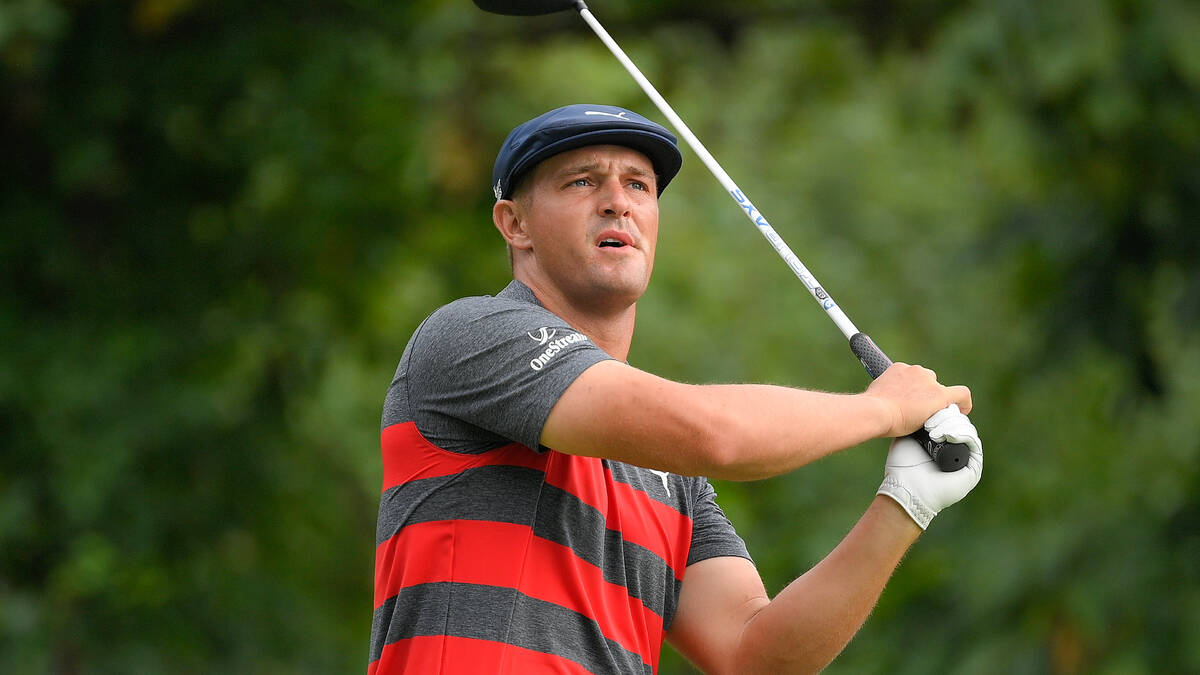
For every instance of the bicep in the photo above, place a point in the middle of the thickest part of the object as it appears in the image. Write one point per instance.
(718, 598)
(619, 412)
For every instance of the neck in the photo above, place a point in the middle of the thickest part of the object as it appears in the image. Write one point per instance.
(610, 326)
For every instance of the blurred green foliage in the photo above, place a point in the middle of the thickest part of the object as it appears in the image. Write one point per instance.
(220, 221)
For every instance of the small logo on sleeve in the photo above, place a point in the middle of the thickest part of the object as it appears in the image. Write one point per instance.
(543, 335)
(545, 338)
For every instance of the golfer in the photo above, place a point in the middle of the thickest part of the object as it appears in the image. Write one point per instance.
(545, 506)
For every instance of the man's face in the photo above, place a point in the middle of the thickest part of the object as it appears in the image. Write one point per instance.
(591, 215)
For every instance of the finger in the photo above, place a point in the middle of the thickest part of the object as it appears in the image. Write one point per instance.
(961, 395)
(938, 418)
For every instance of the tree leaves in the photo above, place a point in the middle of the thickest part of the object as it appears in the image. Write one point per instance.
(222, 221)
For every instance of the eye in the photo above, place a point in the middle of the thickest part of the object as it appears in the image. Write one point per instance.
(580, 182)
(639, 185)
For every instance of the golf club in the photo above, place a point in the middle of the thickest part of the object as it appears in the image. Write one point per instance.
(948, 456)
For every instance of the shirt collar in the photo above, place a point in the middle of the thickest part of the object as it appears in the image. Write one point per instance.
(520, 292)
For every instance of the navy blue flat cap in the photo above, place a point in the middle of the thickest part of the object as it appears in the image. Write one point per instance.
(575, 126)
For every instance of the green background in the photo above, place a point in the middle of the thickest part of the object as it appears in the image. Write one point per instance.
(221, 220)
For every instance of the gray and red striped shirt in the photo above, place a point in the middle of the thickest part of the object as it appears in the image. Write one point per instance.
(498, 555)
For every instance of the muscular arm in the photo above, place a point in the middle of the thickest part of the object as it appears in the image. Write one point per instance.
(733, 432)
(726, 624)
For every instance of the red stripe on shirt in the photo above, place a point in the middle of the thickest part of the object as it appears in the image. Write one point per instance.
(640, 519)
(510, 556)
(408, 456)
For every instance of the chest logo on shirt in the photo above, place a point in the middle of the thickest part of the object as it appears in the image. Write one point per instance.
(544, 336)
(664, 475)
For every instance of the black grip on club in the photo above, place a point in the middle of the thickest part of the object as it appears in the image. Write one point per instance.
(872, 357)
(948, 456)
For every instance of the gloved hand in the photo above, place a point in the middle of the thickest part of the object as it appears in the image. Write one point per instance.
(912, 479)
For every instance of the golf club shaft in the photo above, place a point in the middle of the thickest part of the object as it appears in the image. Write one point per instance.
(948, 456)
(820, 295)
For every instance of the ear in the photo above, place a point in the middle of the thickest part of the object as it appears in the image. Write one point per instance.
(509, 218)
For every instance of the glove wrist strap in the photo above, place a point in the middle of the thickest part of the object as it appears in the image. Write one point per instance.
(907, 501)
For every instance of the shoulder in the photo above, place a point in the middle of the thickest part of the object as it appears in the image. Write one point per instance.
(475, 308)
(492, 333)
(489, 313)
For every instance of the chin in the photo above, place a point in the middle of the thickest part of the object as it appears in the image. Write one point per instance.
(617, 295)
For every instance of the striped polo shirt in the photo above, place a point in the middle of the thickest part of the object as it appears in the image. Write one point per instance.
(498, 555)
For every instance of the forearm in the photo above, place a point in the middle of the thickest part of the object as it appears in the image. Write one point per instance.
(767, 430)
(734, 432)
(808, 624)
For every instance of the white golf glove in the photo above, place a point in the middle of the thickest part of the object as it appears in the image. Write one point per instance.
(912, 478)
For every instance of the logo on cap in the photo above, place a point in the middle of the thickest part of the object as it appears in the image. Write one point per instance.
(620, 115)
(497, 190)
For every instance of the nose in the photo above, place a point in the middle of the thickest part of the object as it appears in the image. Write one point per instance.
(613, 200)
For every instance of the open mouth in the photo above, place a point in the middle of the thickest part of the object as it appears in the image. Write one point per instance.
(614, 239)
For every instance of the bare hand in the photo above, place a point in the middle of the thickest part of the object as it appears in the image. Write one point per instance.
(914, 394)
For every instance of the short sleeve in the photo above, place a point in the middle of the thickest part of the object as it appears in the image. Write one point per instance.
(713, 535)
(490, 369)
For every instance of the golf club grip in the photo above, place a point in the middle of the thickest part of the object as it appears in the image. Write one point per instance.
(948, 456)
